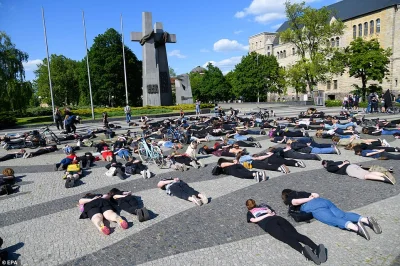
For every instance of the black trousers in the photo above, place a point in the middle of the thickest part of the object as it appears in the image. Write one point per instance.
(129, 204)
(238, 170)
(60, 123)
(43, 151)
(7, 157)
(245, 144)
(390, 156)
(279, 228)
(182, 190)
(262, 164)
(183, 160)
(302, 156)
(274, 159)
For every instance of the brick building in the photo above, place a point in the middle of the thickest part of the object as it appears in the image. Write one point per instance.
(368, 19)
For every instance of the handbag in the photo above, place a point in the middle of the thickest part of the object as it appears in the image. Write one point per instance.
(217, 170)
(298, 215)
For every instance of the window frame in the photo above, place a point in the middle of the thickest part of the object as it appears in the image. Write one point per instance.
(354, 32)
(360, 30)
(378, 25)
(366, 29)
(371, 27)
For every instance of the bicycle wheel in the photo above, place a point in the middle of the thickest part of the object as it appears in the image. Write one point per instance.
(182, 138)
(143, 154)
(55, 138)
(158, 156)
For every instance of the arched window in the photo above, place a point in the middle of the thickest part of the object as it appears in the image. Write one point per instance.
(371, 27)
(333, 42)
(378, 25)
(293, 51)
(269, 53)
(359, 30)
(284, 53)
(337, 41)
(365, 28)
(277, 55)
(354, 31)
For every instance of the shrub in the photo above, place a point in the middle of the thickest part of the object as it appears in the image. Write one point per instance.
(333, 103)
(7, 119)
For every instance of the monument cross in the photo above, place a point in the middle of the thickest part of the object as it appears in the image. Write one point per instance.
(156, 79)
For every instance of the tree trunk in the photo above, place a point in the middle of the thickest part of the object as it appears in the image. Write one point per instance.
(364, 87)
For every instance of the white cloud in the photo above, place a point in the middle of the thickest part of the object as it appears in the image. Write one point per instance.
(265, 11)
(31, 65)
(237, 32)
(225, 65)
(225, 45)
(204, 50)
(176, 53)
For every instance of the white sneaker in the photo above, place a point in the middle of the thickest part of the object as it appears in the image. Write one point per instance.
(143, 173)
(201, 163)
(148, 174)
(194, 164)
(385, 143)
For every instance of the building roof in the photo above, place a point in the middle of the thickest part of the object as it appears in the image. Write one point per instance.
(348, 9)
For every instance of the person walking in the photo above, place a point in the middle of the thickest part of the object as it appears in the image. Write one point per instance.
(58, 119)
(127, 111)
(198, 107)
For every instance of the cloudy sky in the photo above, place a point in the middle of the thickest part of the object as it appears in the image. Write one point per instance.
(207, 31)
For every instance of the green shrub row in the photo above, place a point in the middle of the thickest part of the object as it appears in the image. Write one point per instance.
(7, 119)
(84, 112)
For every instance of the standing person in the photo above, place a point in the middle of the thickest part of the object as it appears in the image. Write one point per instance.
(356, 102)
(198, 107)
(105, 120)
(216, 110)
(127, 111)
(345, 102)
(182, 114)
(58, 119)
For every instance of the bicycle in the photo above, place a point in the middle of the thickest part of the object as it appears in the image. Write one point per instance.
(175, 134)
(149, 152)
(49, 135)
(262, 115)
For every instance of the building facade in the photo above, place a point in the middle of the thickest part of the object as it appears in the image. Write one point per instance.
(367, 19)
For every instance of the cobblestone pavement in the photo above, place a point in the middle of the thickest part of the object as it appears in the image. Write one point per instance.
(40, 223)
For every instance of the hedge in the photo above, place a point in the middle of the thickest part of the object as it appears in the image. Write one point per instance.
(85, 112)
(7, 119)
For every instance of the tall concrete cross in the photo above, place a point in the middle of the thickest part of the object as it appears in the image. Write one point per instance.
(156, 79)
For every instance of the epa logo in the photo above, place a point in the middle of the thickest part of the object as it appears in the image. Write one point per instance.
(9, 262)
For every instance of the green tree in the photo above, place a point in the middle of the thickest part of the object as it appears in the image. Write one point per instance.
(309, 29)
(256, 75)
(367, 60)
(15, 93)
(63, 77)
(296, 78)
(172, 72)
(196, 80)
(107, 71)
(214, 86)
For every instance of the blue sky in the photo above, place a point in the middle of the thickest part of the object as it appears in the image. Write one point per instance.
(207, 31)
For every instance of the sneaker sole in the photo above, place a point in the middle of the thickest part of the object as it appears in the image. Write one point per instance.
(322, 253)
(375, 226)
(390, 177)
(362, 229)
(311, 255)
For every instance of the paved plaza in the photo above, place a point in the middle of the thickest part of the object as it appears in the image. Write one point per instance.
(40, 224)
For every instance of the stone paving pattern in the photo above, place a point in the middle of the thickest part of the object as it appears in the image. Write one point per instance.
(42, 218)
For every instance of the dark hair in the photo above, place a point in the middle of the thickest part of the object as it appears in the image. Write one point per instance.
(285, 194)
(357, 149)
(90, 195)
(323, 162)
(250, 204)
(113, 192)
(223, 160)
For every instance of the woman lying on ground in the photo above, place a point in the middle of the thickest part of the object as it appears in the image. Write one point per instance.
(354, 139)
(234, 168)
(326, 212)
(289, 153)
(353, 170)
(97, 207)
(14, 155)
(129, 203)
(282, 230)
(180, 189)
(134, 166)
(41, 151)
(380, 154)
(259, 162)
(62, 165)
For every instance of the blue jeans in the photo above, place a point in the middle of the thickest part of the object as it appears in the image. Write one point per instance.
(326, 212)
(198, 109)
(390, 131)
(128, 118)
(123, 152)
(369, 108)
(240, 137)
(66, 161)
(316, 150)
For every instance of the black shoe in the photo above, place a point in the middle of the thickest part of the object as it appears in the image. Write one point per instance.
(362, 231)
(322, 253)
(61, 167)
(373, 224)
(139, 214)
(310, 255)
(318, 157)
(120, 174)
(146, 214)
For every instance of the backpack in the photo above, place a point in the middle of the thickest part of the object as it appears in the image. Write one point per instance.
(68, 150)
(130, 169)
(299, 216)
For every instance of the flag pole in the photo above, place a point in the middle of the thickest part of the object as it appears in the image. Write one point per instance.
(87, 63)
(48, 64)
(123, 56)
